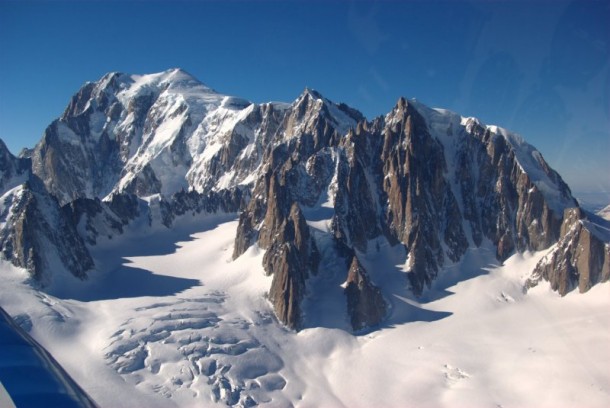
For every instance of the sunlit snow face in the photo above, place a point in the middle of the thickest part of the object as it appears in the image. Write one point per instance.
(216, 339)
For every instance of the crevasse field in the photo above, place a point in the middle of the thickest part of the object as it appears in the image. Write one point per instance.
(168, 319)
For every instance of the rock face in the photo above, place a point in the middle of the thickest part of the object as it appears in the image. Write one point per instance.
(291, 258)
(296, 172)
(13, 170)
(580, 259)
(422, 211)
(450, 183)
(429, 180)
(35, 233)
(153, 148)
(38, 236)
(365, 304)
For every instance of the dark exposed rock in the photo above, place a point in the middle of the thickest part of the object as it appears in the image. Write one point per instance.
(398, 177)
(512, 211)
(110, 218)
(95, 214)
(125, 206)
(365, 304)
(36, 234)
(291, 257)
(12, 169)
(422, 211)
(580, 259)
(296, 170)
(223, 201)
(358, 217)
(68, 170)
(39, 237)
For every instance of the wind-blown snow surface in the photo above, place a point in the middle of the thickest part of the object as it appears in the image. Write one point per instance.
(174, 322)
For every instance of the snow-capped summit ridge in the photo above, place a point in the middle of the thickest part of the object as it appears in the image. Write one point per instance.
(175, 81)
(314, 103)
(443, 122)
(136, 133)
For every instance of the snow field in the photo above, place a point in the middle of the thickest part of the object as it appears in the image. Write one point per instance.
(169, 320)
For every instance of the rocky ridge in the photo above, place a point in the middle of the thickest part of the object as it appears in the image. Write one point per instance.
(581, 257)
(157, 147)
(365, 304)
(35, 233)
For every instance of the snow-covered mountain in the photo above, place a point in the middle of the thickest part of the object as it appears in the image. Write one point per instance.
(152, 134)
(158, 227)
(315, 182)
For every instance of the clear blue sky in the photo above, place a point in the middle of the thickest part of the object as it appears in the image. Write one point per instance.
(538, 68)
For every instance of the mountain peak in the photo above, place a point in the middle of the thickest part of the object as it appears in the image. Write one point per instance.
(178, 74)
(312, 93)
(177, 78)
(343, 116)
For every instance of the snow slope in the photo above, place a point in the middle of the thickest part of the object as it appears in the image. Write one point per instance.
(605, 213)
(175, 322)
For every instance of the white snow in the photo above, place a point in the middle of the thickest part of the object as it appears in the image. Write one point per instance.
(532, 163)
(605, 213)
(443, 124)
(184, 128)
(66, 134)
(169, 320)
(7, 199)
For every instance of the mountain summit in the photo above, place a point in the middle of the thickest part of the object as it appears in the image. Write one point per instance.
(314, 182)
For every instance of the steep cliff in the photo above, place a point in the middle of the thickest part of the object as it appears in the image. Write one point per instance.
(580, 259)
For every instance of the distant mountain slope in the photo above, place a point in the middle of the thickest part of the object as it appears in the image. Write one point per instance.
(605, 212)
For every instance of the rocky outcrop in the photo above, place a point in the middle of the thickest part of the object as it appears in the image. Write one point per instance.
(365, 304)
(35, 233)
(97, 219)
(291, 257)
(358, 200)
(464, 182)
(192, 202)
(580, 259)
(515, 214)
(106, 219)
(296, 171)
(13, 170)
(438, 184)
(422, 211)
(38, 236)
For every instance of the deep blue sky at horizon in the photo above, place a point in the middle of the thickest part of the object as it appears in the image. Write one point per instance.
(539, 68)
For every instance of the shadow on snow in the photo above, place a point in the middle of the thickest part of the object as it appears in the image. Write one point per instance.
(115, 277)
(326, 304)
